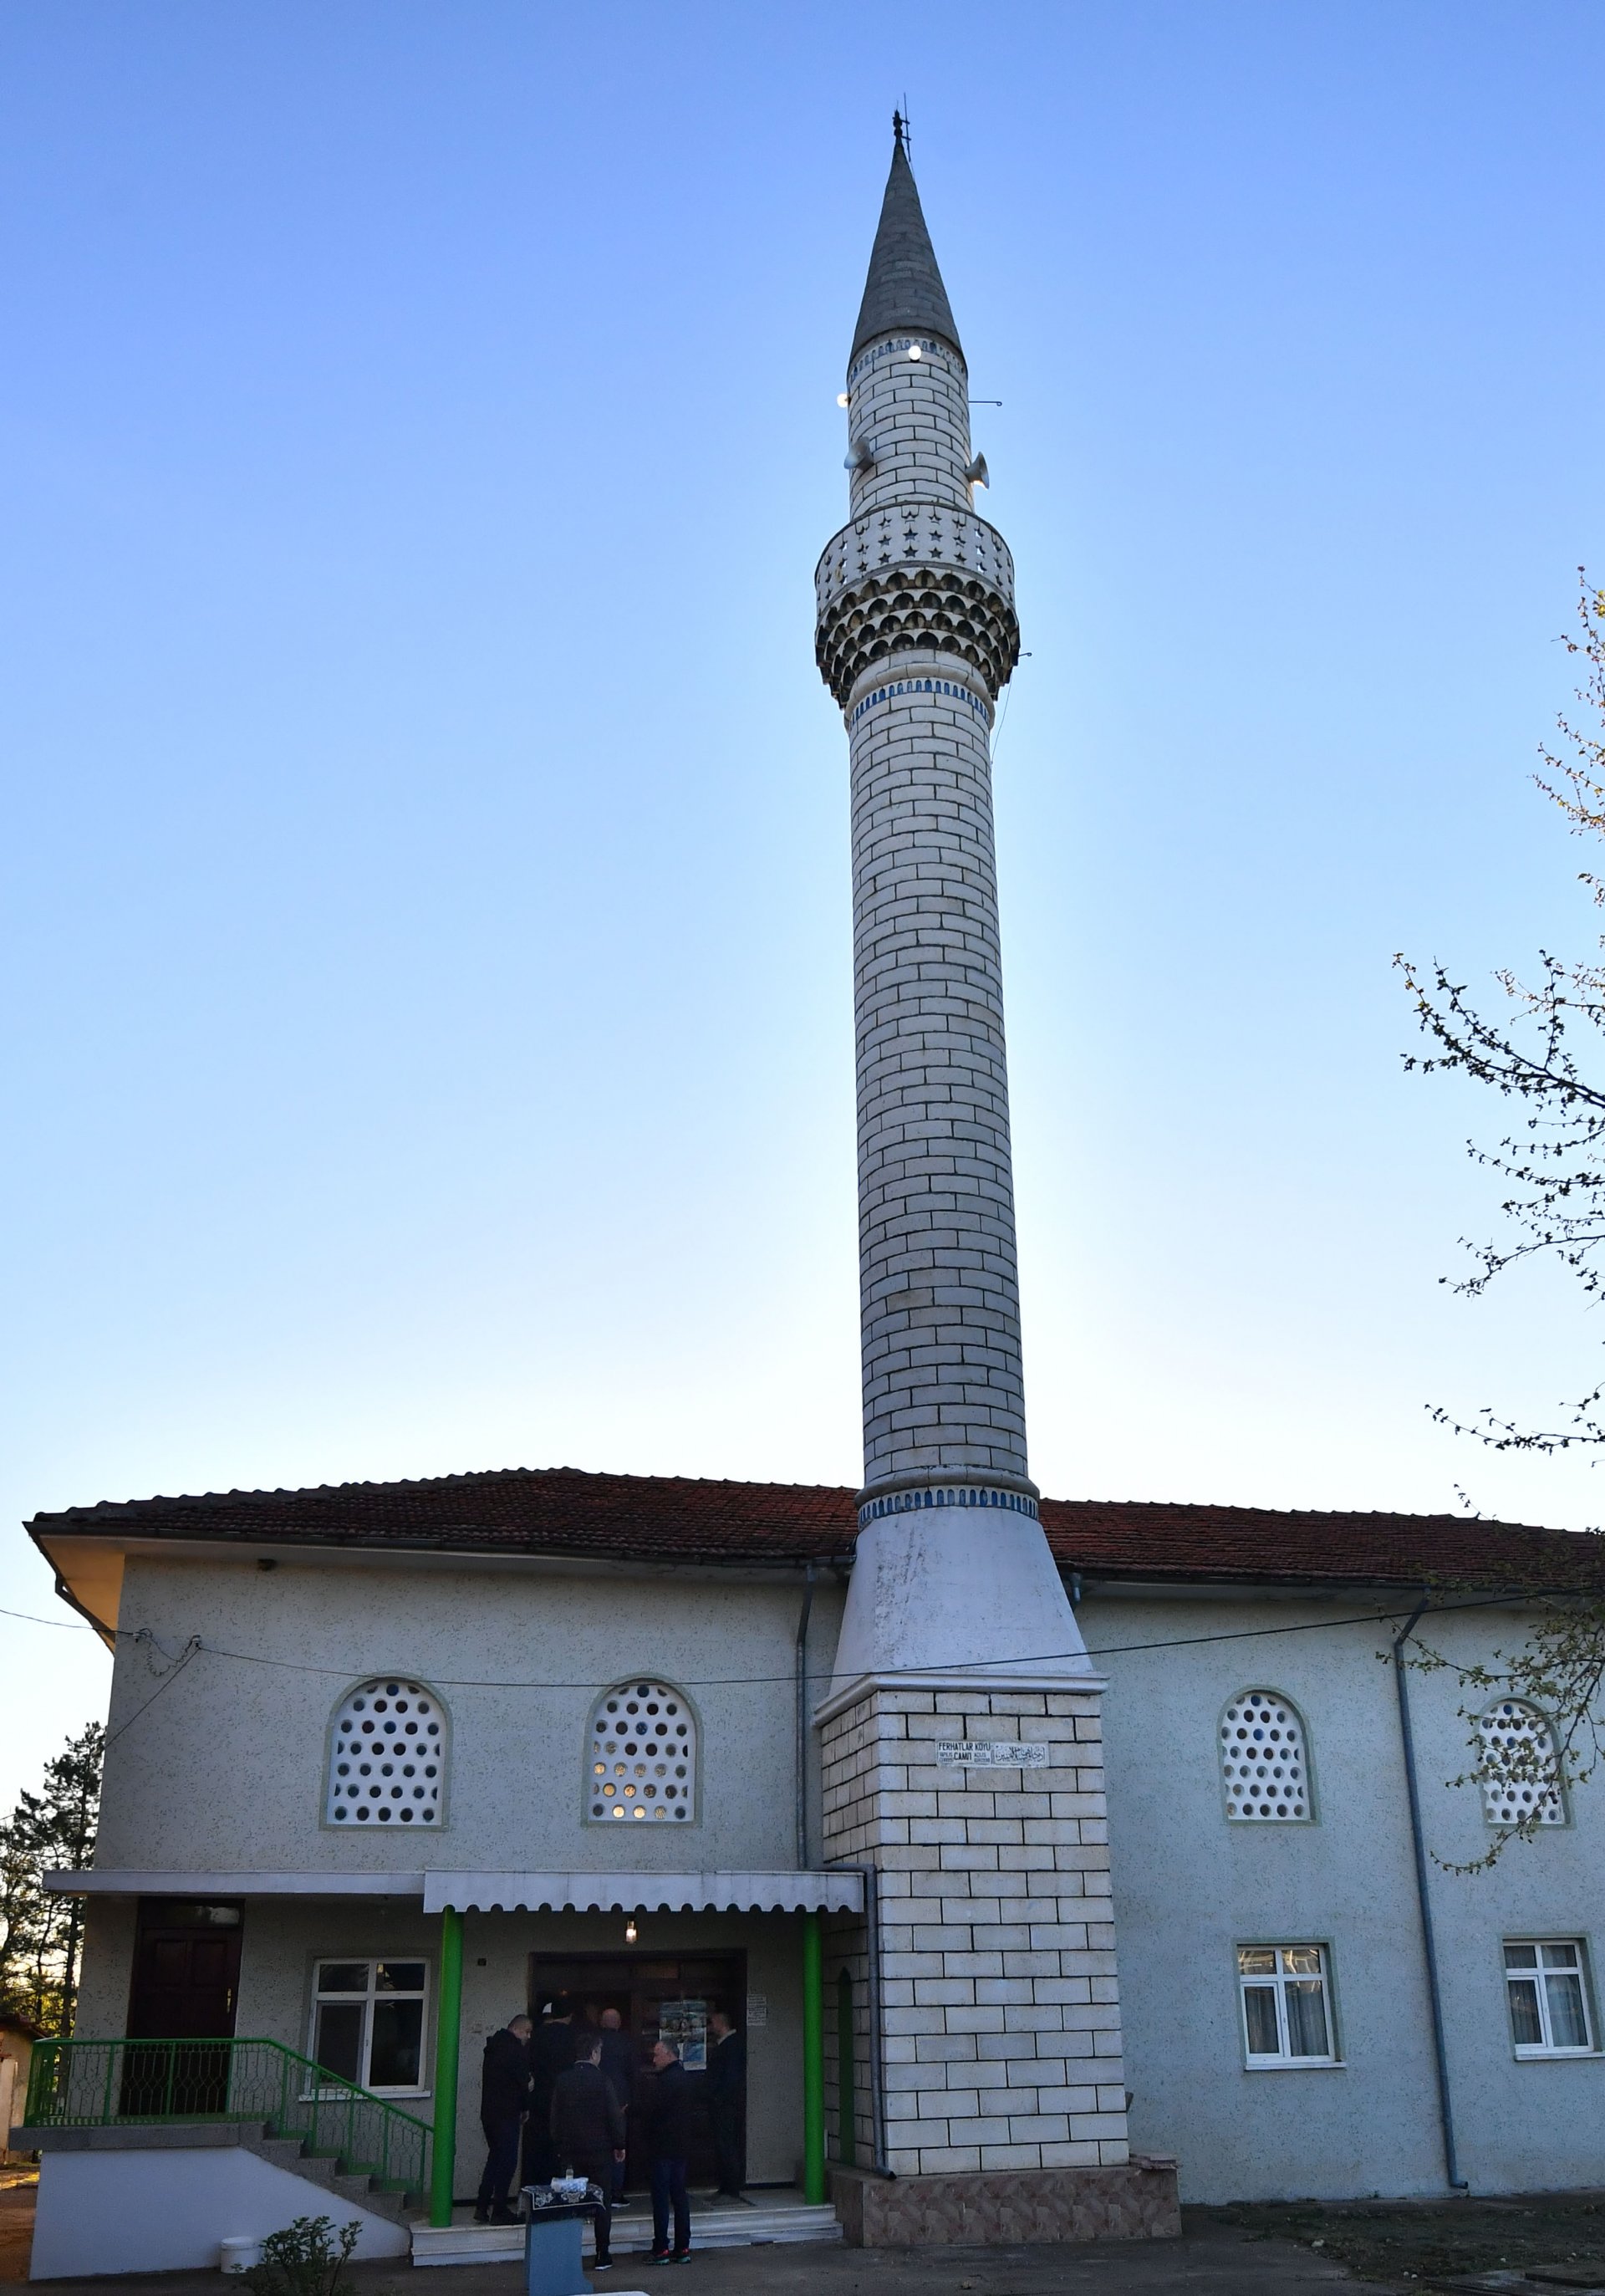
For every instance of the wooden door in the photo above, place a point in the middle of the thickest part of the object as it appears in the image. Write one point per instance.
(641, 1986)
(186, 1979)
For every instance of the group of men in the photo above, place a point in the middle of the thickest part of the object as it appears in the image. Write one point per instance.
(569, 2097)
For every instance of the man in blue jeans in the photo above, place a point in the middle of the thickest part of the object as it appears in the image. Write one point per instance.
(667, 2116)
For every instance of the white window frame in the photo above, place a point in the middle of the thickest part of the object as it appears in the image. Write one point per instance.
(1276, 1982)
(1578, 1967)
(372, 1962)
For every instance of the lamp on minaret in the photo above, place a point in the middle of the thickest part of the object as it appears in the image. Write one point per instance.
(961, 1737)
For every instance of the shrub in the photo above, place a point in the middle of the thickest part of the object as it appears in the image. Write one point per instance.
(307, 2258)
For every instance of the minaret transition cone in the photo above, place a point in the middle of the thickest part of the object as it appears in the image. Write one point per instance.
(917, 637)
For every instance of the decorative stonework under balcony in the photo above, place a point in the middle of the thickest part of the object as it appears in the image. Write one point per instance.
(916, 576)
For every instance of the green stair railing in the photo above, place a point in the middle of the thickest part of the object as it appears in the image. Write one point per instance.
(128, 2084)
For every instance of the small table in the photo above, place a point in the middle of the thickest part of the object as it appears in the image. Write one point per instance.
(552, 2233)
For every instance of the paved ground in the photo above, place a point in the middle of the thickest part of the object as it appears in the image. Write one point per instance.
(1297, 2248)
(1211, 2259)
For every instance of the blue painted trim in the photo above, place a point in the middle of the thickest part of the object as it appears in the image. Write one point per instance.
(947, 687)
(945, 1495)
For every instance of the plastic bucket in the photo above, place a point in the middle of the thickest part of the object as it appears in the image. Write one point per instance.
(238, 2256)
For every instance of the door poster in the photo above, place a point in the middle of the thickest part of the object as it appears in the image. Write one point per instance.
(685, 2024)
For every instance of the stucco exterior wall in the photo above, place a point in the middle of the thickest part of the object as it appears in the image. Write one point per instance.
(1191, 1886)
(224, 1768)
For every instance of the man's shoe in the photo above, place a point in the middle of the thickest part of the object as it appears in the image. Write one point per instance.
(657, 2257)
(679, 2256)
(504, 2217)
(601, 2264)
(481, 2216)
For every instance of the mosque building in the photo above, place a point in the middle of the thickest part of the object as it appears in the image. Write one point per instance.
(1056, 1857)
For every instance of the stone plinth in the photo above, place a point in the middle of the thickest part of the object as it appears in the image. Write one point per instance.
(1013, 2208)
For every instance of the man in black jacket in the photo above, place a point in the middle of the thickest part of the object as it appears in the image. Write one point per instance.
(504, 2099)
(726, 2092)
(666, 2111)
(551, 2052)
(587, 2135)
(619, 2071)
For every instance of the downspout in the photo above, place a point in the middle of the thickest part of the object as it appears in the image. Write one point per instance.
(1445, 2111)
(802, 1721)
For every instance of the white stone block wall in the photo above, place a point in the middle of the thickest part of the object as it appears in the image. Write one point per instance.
(914, 416)
(1000, 2007)
(939, 1289)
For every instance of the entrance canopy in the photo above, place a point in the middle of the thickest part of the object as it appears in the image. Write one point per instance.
(785, 1892)
(646, 1892)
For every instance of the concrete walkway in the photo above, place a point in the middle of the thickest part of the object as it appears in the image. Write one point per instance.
(1209, 2261)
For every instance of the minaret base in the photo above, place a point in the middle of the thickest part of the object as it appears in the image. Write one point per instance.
(1008, 2208)
(952, 1588)
(982, 1810)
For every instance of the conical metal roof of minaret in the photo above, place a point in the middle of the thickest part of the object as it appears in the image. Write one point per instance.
(904, 293)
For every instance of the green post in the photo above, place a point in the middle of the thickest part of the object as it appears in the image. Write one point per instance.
(814, 2060)
(449, 2028)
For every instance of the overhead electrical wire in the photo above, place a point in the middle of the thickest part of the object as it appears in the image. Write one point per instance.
(755, 1681)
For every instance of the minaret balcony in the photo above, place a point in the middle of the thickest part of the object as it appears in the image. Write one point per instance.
(915, 577)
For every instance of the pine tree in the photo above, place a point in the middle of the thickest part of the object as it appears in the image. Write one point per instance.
(54, 1828)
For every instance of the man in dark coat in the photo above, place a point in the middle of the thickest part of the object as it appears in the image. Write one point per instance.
(504, 2099)
(666, 2109)
(551, 2053)
(619, 2071)
(587, 2135)
(726, 2093)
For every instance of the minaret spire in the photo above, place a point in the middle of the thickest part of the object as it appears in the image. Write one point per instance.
(904, 293)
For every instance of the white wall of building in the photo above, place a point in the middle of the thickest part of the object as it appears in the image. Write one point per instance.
(1190, 1886)
(225, 1769)
(168, 2212)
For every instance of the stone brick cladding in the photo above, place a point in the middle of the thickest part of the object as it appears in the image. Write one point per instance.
(913, 415)
(938, 1285)
(999, 2010)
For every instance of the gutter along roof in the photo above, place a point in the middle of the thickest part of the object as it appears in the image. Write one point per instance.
(562, 1513)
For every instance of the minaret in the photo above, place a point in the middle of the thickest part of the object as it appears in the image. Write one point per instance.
(916, 639)
(962, 1744)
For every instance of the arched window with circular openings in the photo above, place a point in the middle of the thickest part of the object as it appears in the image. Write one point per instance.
(641, 1766)
(1520, 1773)
(388, 1742)
(1265, 1759)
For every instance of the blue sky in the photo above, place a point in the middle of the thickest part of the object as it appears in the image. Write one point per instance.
(428, 1020)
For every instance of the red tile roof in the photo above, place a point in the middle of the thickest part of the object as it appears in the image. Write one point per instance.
(562, 1511)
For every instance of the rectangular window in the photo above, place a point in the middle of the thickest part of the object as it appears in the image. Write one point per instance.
(1546, 1980)
(1287, 2009)
(368, 2022)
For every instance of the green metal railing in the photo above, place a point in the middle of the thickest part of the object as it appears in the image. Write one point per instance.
(122, 2084)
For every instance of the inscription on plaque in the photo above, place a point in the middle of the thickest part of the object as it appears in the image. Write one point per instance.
(990, 1754)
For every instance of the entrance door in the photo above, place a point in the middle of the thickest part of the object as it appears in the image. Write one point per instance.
(651, 1992)
(186, 1976)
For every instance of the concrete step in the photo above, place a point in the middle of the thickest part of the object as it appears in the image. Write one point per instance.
(759, 2226)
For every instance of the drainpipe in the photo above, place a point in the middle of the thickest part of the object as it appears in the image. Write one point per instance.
(802, 1721)
(1445, 2111)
